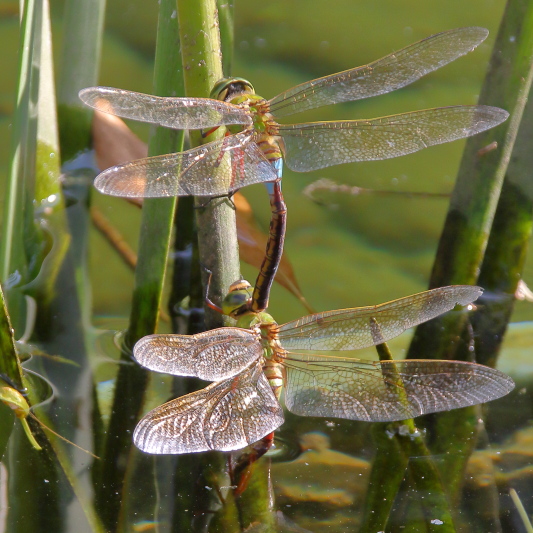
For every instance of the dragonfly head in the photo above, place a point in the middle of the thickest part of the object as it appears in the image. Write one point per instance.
(237, 301)
(227, 89)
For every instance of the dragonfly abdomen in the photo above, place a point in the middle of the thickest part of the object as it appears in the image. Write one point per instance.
(269, 146)
(274, 373)
(276, 239)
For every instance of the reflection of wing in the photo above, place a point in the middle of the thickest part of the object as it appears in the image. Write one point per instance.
(224, 416)
(352, 329)
(177, 113)
(323, 144)
(215, 169)
(213, 355)
(382, 76)
(365, 390)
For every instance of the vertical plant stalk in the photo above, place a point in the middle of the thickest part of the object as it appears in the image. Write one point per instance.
(47, 193)
(10, 368)
(505, 256)
(217, 246)
(396, 444)
(158, 219)
(9, 360)
(384, 481)
(69, 330)
(480, 179)
(37, 254)
(83, 24)
(23, 145)
(255, 504)
(202, 67)
(156, 225)
(465, 236)
(186, 277)
(226, 11)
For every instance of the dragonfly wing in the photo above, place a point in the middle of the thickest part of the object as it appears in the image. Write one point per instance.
(382, 76)
(323, 144)
(224, 416)
(177, 113)
(352, 329)
(212, 355)
(388, 390)
(215, 169)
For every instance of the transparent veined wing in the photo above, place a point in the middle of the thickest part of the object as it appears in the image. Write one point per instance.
(177, 113)
(224, 416)
(382, 76)
(360, 327)
(215, 169)
(323, 144)
(387, 390)
(212, 355)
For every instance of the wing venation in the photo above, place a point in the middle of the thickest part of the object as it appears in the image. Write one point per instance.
(388, 390)
(361, 327)
(212, 355)
(227, 415)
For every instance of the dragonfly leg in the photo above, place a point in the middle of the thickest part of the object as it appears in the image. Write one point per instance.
(208, 301)
(228, 197)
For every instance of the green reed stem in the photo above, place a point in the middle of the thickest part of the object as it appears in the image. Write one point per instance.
(23, 145)
(397, 444)
(154, 242)
(507, 248)
(83, 24)
(70, 331)
(9, 360)
(471, 215)
(217, 236)
(217, 245)
(226, 11)
(479, 183)
(9, 367)
(49, 216)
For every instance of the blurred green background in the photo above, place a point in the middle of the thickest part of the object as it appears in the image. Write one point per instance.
(356, 250)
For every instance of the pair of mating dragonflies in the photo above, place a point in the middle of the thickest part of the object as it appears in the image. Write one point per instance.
(249, 364)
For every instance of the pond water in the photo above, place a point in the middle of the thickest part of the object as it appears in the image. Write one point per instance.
(346, 251)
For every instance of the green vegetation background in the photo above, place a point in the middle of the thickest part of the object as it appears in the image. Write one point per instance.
(362, 251)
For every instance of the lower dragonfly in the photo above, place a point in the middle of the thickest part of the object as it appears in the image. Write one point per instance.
(251, 363)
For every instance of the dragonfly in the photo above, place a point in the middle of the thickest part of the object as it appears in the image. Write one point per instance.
(251, 363)
(257, 140)
(258, 144)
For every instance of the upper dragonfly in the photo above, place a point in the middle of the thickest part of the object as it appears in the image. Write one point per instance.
(258, 141)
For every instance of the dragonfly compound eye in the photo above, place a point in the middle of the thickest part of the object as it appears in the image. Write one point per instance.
(238, 299)
(228, 88)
